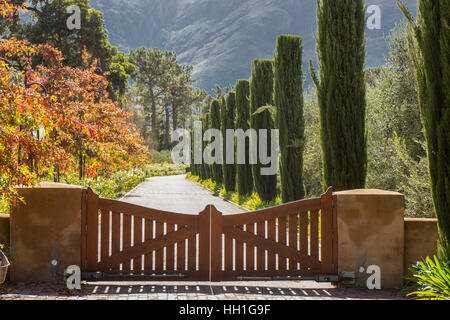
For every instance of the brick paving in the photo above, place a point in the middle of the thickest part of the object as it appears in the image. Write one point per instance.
(191, 291)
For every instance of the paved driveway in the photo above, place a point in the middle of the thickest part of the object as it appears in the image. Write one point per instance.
(177, 194)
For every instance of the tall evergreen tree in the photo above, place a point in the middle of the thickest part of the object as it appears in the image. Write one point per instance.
(205, 170)
(341, 92)
(261, 94)
(244, 177)
(228, 115)
(216, 124)
(288, 100)
(429, 44)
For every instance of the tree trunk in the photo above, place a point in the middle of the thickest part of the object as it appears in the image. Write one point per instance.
(167, 128)
(175, 118)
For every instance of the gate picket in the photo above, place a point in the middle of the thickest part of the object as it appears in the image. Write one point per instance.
(126, 241)
(282, 263)
(137, 238)
(271, 234)
(148, 257)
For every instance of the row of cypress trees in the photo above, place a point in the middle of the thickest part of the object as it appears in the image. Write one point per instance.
(272, 82)
(273, 98)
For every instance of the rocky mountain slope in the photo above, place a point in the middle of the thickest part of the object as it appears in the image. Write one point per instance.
(221, 37)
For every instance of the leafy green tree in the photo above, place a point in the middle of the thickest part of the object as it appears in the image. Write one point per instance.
(244, 177)
(205, 169)
(288, 100)
(216, 124)
(48, 24)
(342, 92)
(155, 73)
(312, 167)
(429, 44)
(227, 122)
(261, 94)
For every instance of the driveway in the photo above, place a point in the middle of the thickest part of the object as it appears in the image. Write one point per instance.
(177, 194)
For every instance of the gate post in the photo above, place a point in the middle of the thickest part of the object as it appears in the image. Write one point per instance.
(204, 244)
(327, 232)
(371, 235)
(210, 242)
(89, 231)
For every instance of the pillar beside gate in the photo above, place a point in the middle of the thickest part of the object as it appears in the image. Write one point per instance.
(46, 232)
(371, 234)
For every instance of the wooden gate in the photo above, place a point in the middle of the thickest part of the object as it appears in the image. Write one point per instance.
(294, 240)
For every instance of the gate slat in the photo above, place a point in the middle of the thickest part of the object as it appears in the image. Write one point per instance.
(293, 225)
(314, 234)
(326, 237)
(137, 262)
(104, 235)
(192, 253)
(250, 250)
(228, 254)
(282, 239)
(271, 234)
(115, 236)
(239, 255)
(261, 252)
(159, 254)
(126, 241)
(148, 258)
(170, 251)
(304, 236)
(181, 254)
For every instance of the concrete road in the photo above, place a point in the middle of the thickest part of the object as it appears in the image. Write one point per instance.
(176, 194)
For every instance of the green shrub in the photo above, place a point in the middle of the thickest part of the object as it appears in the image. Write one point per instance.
(251, 203)
(429, 280)
(118, 184)
(164, 156)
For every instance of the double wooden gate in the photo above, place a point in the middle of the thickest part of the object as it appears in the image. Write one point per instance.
(291, 241)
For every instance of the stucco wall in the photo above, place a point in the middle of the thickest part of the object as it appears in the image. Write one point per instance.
(421, 237)
(46, 229)
(371, 232)
(4, 229)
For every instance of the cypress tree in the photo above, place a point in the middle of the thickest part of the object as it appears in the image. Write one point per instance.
(341, 92)
(429, 43)
(288, 100)
(228, 115)
(192, 164)
(205, 173)
(216, 124)
(261, 94)
(244, 178)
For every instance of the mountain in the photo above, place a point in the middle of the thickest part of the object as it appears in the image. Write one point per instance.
(220, 38)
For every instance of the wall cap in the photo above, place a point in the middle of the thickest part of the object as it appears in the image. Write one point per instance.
(51, 185)
(427, 220)
(376, 192)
